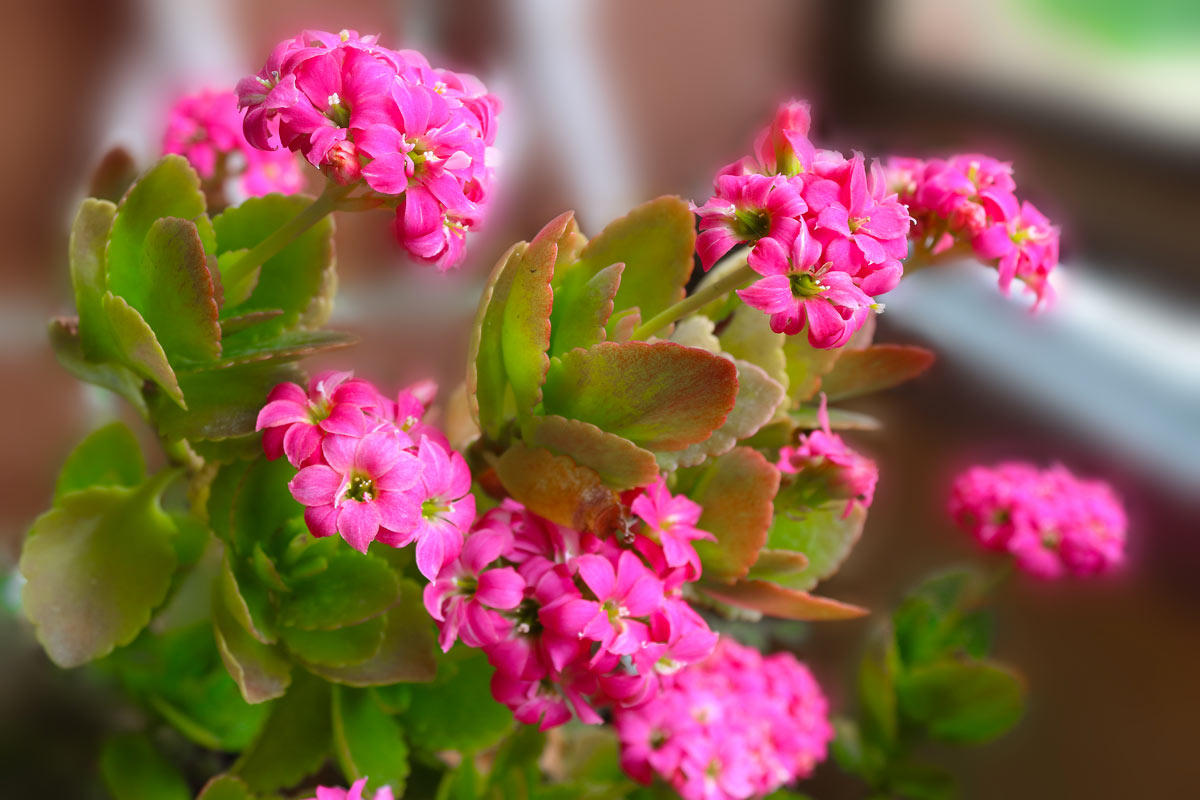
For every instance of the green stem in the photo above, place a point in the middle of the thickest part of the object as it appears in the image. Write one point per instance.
(736, 279)
(281, 238)
(180, 454)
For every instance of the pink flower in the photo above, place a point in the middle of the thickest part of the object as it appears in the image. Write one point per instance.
(205, 128)
(466, 595)
(355, 792)
(828, 468)
(1050, 521)
(362, 489)
(747, 209)
(1025, 246)
(796, 292)
(671, 522)
(295, 422)
(733, 726)
(862, 225)
(446, 509)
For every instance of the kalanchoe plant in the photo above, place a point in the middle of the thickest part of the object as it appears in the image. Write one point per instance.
(631, 461)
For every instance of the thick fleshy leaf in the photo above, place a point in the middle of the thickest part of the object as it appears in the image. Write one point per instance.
(299, 279)
(942, 617)
(262, 671)
(342, 647)
(805, 366)
(962, 702)
(96, 567)
(758, 397)
(367, 741)
(113, 176)
(525, 331)
(559, 489)
(68, 349)
(222, 403)
(873, 369)
(89, 240)
(237, 283)
(134, 770)
(171, 188)
(294, 741)
(825, 534)
(779, 601)
(109, 456)
(877, 691)
(175, 293)
(660, 395)
(242, 322)
(225, 787)
(619, 462)
(839, 419)
(748, 336)
(583, 304)
(260, 504)
(655, 242)
(487, 380)
(246, 598)
(134, 344)
(353, 588)
(736, 492)
(772, 565)
(248, 347)
(406, 654)
(697, 331)
(457, 711)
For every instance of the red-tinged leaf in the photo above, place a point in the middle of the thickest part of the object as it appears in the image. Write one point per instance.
(619, 462)
(176, 294)
(487, 380)
(660, 395)
(873, 369)
(774, 564)
(261, 671)
(582, 308)
(525, 331)
(825, 534)
(736, 491)
(559, 489)
(776, 601)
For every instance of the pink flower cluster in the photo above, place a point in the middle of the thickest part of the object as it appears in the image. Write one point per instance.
(418, 137)
(206, 129)
(828, 467)
(369, 468)
(971, 199)
(572, 622)
(734, 726)
(355, 792)
(825, 235)
(1052, 522)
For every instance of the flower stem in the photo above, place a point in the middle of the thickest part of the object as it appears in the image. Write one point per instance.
(736, 279)
(286, 234)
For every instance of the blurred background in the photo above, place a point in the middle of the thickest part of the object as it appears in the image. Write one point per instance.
(607, 104)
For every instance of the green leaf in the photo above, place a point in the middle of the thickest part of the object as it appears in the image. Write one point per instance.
(354, 588)
(921, 782)
(247, 321)
(222, 403)
(406, 654)
(775, 565)
(246, 598)
(225, 787)
(736, 492)
(487, 380)
(261, 504)
(170, 188)
(367, 741)
(778, 601)
(297, 280)
(583, 304)
(341, 647)
(68, 349)
(962, 702)
(825, 534)
(96, 567)
(806, 365)
(249, 347)
(877, 673)
(109, 456)
(660, 396)
(758, 397)
(619, 462)
(294, 741)
(873, 369)
(558, 489)
(89, 240)
(134, 344)
(748, 336)
(525, 331)
(262, 671)
(175, 294)
(457, 711)
(839, 419)
(134, 770)
(236, 288)
(940, 617)
(113, 176)
(655, 242)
